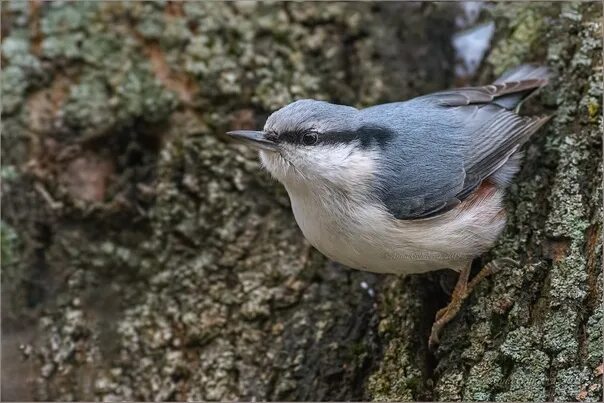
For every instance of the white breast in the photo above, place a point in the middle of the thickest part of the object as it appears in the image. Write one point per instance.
(364, 236)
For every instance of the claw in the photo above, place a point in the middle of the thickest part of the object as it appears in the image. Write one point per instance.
(462, 291)
(434, 340)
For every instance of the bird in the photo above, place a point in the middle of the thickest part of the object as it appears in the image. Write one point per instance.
(404, 187)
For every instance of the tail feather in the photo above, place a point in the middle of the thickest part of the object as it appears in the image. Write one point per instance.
(524, 72)
(521, 73)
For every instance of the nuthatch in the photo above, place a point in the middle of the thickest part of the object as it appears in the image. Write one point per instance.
(404, 187)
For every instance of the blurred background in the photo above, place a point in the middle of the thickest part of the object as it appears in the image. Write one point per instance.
(145, 258)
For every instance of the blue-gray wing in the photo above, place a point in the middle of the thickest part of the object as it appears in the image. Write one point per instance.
(448, 143)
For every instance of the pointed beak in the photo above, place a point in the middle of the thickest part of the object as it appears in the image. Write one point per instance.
(256, 139)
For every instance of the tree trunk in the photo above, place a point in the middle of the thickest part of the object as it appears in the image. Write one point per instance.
(146, 258)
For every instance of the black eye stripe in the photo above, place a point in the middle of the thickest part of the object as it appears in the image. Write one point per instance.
(367, 136)
(288, 137)
(298, 137)
(272, 135)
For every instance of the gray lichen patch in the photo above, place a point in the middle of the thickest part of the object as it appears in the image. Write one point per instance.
(234, 291)
(403, 371)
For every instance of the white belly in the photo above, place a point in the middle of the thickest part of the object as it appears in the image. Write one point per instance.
(365, 237)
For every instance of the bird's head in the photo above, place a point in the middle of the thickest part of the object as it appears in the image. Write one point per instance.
(316, 143)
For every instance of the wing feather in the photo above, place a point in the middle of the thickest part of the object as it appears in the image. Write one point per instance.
(467, 134)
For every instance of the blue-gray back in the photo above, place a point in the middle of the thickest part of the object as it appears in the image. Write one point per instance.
(442, 146)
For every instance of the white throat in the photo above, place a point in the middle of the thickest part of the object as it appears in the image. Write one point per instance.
(337, 167)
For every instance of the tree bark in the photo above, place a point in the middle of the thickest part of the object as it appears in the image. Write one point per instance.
(146, 258)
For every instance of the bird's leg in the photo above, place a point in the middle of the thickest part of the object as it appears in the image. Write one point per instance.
(462, 290)
(456, 298)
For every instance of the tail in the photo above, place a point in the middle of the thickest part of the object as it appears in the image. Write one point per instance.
(529, 75)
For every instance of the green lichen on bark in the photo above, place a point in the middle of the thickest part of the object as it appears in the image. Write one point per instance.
(233, 293)
(405, 366)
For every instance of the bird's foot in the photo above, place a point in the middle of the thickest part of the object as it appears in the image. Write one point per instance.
(463, 289)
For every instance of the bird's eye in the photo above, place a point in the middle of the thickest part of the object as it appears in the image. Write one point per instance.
(309, 139)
